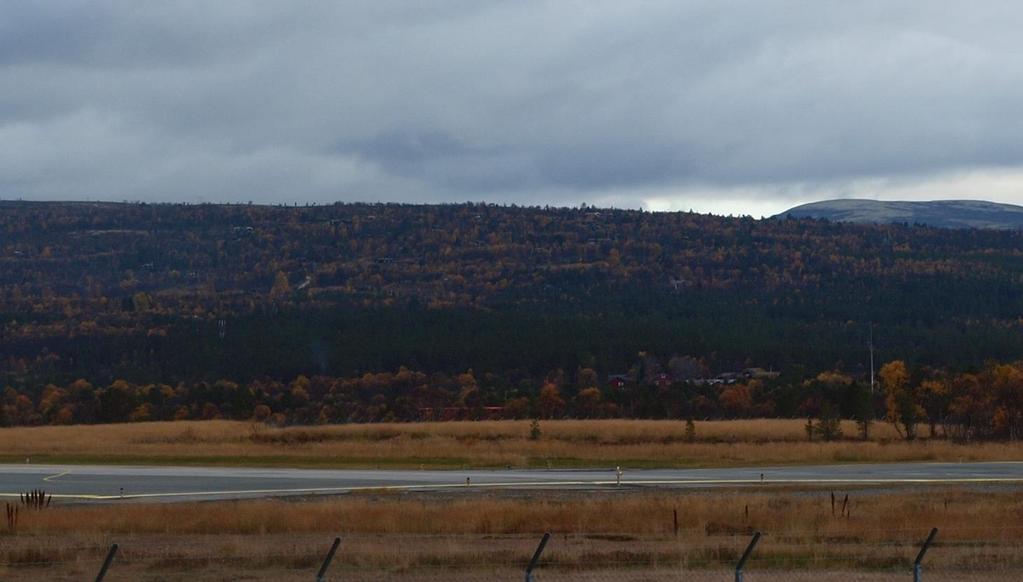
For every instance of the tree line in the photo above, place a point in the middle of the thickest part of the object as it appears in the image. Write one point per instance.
(981, 405)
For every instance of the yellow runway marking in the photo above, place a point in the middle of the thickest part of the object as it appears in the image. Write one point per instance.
(519, 484)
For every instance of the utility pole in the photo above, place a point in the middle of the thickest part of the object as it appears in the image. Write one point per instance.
(870, 346)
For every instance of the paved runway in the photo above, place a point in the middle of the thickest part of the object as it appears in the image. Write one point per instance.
(109, 483)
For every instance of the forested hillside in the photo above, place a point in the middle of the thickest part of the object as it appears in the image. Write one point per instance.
(186, 296)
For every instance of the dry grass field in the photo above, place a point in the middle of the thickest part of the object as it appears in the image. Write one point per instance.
(620, 535)
(597, 536)
(634, 443)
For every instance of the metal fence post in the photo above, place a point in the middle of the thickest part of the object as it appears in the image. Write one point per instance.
(326, 562)
(106, 563)
(917, 564)
(536, 557)
(745, 556)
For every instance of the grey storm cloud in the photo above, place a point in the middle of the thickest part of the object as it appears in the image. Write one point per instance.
(528, 101)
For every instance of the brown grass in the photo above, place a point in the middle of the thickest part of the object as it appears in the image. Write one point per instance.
(874, 515)
(597, 536)
(494, 443)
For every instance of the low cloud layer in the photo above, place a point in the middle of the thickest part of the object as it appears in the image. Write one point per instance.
(735, 107)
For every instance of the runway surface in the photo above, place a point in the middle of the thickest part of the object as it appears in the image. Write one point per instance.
(110, 483)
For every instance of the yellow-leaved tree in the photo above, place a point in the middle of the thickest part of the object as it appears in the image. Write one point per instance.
(281, 287)
(902, 409)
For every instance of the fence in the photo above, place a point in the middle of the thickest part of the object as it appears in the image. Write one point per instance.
(147, 561)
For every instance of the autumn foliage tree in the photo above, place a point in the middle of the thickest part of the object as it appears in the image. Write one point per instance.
(902, 409)
(1007, 385)
(934, 398)
(550, 402)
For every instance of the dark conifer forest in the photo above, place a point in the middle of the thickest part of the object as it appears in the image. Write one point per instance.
(369, 312)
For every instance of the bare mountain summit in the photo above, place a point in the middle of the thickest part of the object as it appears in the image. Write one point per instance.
(939, 213)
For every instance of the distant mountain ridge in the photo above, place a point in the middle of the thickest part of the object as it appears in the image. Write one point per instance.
(938, 213)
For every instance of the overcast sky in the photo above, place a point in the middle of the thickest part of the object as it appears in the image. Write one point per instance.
(727, 107)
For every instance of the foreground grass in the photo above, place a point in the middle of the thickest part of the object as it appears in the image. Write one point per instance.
(871, 515)
(597, 536)
(596, 443)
